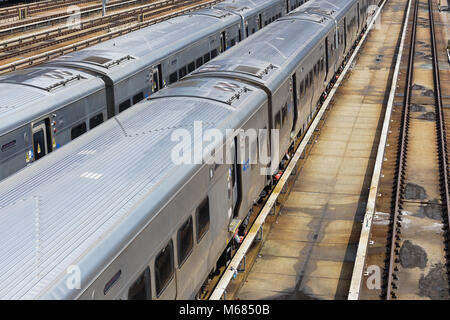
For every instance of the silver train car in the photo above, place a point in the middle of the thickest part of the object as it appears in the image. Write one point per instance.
(113, 216)
(132, 67)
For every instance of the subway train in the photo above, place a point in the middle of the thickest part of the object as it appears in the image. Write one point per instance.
(116, 215)
(45, 107)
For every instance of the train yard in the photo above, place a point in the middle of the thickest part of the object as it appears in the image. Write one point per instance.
(38, 47)
(359, 206)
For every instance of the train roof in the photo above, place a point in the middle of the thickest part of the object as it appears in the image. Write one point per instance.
(30, 93)
(83, 203)
(227, 91)
(245, 8)
(129, 53)
(269, 54)
(320, 10)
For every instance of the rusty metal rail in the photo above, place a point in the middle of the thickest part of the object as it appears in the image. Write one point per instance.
(40, 6)
(94, 26)
(41, 58)
(37, 4)
(394, 235)
(38, 22)
(59, 31)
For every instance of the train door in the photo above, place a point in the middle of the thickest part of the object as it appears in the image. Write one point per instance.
(327, 58)
(287, 6)
(345, 34)
(358, 15)
(235, 178)
(156, 79)
(260, 21)
(41, 139)
(295, 100)
(223, 42)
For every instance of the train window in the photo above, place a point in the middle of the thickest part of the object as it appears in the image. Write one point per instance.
(310, 78)
(185, 241)
(307, 81)
(140, 289)
(202, 218)
(253, 30)
(182, 72)
(95, 120)
(124, 105)
(138, 97)
(302, 88)
(191, 66)
(78, 130)
(278, 120)
(214, 52)
(112, 282)
(321, 64)
(206, 58)
(315, 69)
(173, 78)
(233, 42)
(8, 145)
(164, 268)
(199, 62)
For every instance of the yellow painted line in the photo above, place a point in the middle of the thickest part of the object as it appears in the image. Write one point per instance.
(358, 269)
(222, 285)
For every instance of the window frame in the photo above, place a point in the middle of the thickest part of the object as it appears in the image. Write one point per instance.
(137, 96)
(183, 256)
(146, 278)
(157, 268)
(92, 119)
(203, 204)
(126, 103)
(83, 130)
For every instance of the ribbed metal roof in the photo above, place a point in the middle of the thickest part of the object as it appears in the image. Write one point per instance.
(34, 92)
(54, 211)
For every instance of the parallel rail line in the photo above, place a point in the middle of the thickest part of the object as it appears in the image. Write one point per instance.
(25, 25)
(39, 4)
(391, 276)
(40, 7)
(41, 58)
(46, 39)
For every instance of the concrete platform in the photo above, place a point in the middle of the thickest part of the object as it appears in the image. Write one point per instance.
(310, 250)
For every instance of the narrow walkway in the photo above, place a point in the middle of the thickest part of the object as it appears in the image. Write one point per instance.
(310, 250)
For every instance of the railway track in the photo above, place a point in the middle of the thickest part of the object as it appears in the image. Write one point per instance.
(172, 9)
(62, 17)
(58, 37)
(39, 5)
(42, 6)
(418, 230)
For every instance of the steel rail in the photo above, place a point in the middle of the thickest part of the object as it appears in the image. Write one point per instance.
(28, 5)
(442, 141)
(101, 25)
(58, 31)
(39, 7)
(61, 17)
(401, 164)
(41, 58)
(358, 269)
